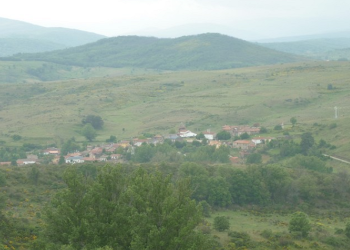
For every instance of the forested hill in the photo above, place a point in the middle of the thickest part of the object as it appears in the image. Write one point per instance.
(206, 51)
(21, 37)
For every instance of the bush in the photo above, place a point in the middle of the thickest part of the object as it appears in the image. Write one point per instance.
(300, 223)
(221, 223)
(278, 127)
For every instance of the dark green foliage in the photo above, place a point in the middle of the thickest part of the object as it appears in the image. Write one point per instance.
(244, 136)
(330, 86)
(200, 136)
(347, 230)
(206, 51)
(12, 154)
(33, 175)
(95, 121)
(307, 141)
(254, 158)
(112, 138)
(241, 239)
(136, 211)
(16, 137)
(2, 179)
(221, 223)
(333, 126)
(278, 127)
(89, 132)
(223, 135)
(263, 130)
(293, 120)
(289, 148)
(69, 147)
(310, 162)
(300, 223)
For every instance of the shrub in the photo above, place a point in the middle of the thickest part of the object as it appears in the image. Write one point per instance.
(221, 223)
(300, 223)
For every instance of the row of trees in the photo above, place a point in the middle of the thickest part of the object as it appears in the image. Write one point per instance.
(122, 210)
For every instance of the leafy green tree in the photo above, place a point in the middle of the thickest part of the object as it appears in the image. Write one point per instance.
(95, 121)
(254, 158)
(300, 223)
(278, 127)
(223, 135)
(112, 138)
(293, 120)
(89, 132)
(69, 146)
(263, 130)
(16, 137)
(200, 136)
(34, 175)
(61, 160)
(244, 136)
(307, 141)
(221, 223)
(347, 230)
(124, 211)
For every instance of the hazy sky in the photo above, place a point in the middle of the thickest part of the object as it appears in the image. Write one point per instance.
(269, 18)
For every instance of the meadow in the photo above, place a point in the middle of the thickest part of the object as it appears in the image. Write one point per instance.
(135, 102)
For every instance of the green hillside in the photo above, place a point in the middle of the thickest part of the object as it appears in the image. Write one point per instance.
(134, 104)
(21, 37)
(201, 52)
(11, 46)
(316, 48)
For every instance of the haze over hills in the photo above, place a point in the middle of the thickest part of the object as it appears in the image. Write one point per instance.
(199, 52)
(22, 37)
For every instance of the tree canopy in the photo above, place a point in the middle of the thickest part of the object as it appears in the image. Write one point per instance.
(95, 120)
(124, 211)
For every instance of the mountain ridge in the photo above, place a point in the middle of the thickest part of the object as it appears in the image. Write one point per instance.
(208, 51)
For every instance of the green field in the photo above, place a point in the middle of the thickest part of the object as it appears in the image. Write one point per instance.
(130, 105)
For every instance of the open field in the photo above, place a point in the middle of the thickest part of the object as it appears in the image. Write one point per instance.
(47, 112)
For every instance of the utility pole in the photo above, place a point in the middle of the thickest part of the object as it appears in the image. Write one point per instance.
(336, 112)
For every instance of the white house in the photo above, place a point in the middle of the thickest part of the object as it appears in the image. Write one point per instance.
(209, 135)
(75, 159)
(187, 134)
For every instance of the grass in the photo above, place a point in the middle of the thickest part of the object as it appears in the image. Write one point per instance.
(254, 223)
(47, 112)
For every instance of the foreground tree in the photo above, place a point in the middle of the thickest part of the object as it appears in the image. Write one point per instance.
(293, 120)
(221, 223)
(137, 211)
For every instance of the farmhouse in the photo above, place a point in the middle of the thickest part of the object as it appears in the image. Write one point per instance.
(243, 144)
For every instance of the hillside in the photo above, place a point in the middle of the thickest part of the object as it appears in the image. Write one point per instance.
(130, 105)
(316, 48)
(22, 37)
(200, 52)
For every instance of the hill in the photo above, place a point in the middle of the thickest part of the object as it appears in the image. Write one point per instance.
(22, 37)
(130, 105)
(200, 52)
(316, 48)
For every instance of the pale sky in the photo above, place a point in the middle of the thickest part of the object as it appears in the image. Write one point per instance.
(269, 18)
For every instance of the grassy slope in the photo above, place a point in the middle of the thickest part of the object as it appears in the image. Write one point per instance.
(49, 112)
(206, 51)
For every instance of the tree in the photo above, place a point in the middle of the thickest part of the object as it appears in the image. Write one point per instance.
(89, 132)
(254, 158)
(307, 141)
(95, 120)
(347, 230)
(221, 223)
(244, 136)
(33, 175)
(293, 120)
(300, 223)
(112, 138)
(223, 135)
(124, 211)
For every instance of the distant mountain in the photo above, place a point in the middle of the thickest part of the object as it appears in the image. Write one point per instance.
(316, 48)
(331, 35)
(22, 37)
(200, 52)
(196, 29)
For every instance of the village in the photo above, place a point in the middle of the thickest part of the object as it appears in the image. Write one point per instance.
(114, 152)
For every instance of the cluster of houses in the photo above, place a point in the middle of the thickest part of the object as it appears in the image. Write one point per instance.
(108, 152)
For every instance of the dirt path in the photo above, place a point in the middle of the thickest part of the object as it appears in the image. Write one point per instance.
(337, 159)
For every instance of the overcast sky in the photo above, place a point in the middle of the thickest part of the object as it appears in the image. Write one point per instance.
(268, 18)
